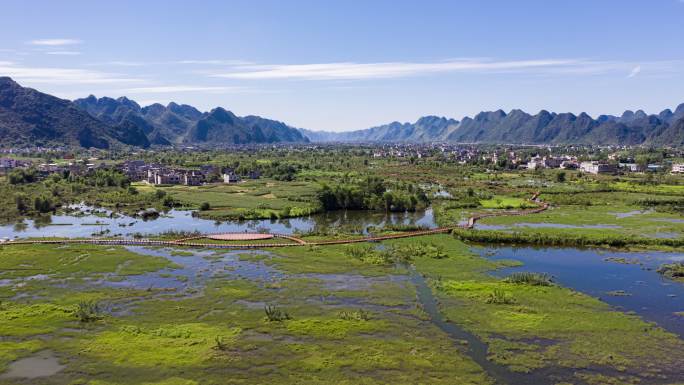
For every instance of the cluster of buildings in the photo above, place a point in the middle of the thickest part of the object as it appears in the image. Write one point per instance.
(74, 167)
(564, 162)
(138, 170)
(7, 164)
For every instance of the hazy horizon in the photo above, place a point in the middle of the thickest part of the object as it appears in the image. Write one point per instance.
(354, 65)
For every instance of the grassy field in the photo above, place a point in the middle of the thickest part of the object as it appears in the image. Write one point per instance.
(252, 199)
(504, 202)
(606, 213)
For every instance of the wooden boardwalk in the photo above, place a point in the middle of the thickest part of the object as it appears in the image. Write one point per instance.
(194, 241)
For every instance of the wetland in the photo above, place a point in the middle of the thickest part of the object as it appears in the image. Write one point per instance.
(577, 294)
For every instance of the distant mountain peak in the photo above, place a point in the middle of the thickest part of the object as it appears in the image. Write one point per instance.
(29, 117)
(519, 127)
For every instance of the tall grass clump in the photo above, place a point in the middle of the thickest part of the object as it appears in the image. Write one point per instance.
(533, 279)
(370, 255)
(275, 314)
(219, 344)
(500, 297)
(354, 315)
(88, 311)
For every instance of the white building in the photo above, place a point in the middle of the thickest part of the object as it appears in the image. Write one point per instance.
(632, 167)
(230, 178)
(678, 168)
(167, 178)
(598, 168)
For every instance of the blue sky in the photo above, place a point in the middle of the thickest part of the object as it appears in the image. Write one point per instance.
(342, 65)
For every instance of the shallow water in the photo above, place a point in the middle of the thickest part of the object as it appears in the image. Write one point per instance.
(70, 226)
(483, 226)
(665, 235)
(338, 282)
(632, 213)
(41, 364)
(648, 294)
(565, 226)
(194, 270)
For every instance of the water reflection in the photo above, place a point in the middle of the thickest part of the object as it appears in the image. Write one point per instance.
(104, 223)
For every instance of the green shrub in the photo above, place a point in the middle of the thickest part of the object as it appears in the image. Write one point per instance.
(88, 311)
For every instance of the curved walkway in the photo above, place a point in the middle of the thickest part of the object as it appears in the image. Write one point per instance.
(294, 241)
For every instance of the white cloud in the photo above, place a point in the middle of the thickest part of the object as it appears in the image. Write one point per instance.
(124, 63)
(635, 71)
(215, 62)
(50, 75)
(351, 71)
(181, 88)
(63, 53)
(55, 42)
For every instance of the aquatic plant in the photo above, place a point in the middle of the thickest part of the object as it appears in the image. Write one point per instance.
(563, 239)
(421, 250)
(88, 311)
(355, 315)
(528, 278)
(360, 252)
(618, 293)
(369, 254)
(275, 314)
(220, 344)
(400, 227)
(672, 270)
(500, 297)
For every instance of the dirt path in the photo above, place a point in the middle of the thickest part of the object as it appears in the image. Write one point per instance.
(294, 241)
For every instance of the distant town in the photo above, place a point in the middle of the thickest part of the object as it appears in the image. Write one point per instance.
(610, 160)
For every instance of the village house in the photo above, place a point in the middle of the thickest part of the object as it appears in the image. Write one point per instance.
(230, 177)
(193, 178)
(598, 167)
(632, 167)
(167, 178)
(534, 164)
(8, 163)
(678, 168)
(552, 162)
(569, 165)
(654, 167)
